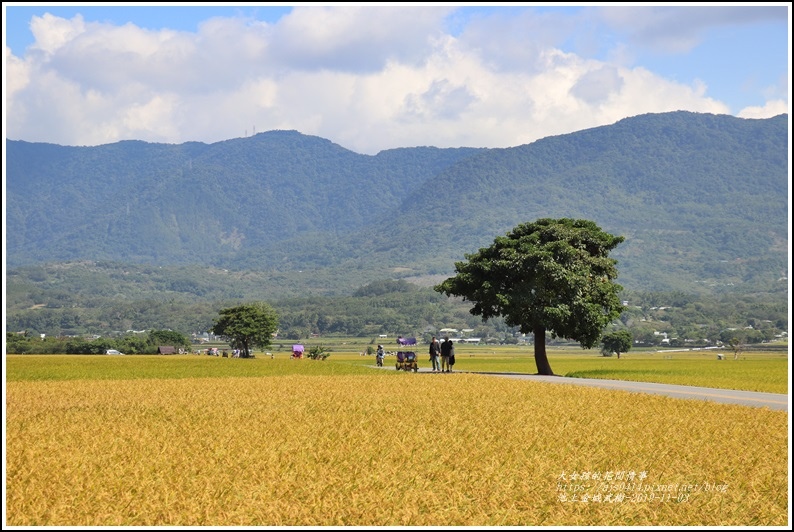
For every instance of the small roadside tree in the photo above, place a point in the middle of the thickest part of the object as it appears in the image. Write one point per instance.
(616, 342)
(246, 326)
(319, 352)
(549, 275)
(737, 344)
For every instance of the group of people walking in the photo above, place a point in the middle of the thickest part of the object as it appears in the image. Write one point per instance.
(442, 355)
(445, 351)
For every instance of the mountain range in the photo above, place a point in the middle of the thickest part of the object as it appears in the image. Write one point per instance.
(701, 199)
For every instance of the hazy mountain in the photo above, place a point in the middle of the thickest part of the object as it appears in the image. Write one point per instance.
(135, 201)
(701, 199)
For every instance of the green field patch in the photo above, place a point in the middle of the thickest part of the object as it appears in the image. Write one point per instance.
(611, 373)
(760, 372)
(757, 375)
(102, 367)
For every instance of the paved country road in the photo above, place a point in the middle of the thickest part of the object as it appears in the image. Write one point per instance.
(773, 401)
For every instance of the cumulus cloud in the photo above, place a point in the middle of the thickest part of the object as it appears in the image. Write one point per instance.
(18, 73)
(366, 78)
(597, 85)
(442, 99)
(515, 41)
(52, 32)
(772, 108)
(680, 28)
(356, 39)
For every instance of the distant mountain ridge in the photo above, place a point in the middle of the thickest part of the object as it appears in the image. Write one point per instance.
(145, 202)
(701, 199)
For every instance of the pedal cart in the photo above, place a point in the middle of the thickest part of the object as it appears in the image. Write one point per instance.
(406, 360)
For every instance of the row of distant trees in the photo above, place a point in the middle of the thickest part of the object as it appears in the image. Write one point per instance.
(397, 307)
(549, 277)
(147, 343)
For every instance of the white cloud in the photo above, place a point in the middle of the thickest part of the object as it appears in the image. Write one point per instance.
(153, 117)
(442, 100)
(771, 108)
(366, 78)
(52, 32)
(515, 42)
(596, 86)
(356, 39)
(678, 29)
(17, 73)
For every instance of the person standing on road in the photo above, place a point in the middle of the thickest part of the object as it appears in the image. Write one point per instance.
(379, 355)
(446, 349)
(435, 352)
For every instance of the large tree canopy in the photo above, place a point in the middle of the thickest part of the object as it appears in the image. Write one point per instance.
(246, 326)
(549, 275)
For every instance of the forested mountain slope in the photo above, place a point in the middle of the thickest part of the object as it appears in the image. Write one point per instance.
(701, 199)
(197, 203)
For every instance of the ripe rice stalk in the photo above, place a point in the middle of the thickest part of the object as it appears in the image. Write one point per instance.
(384, 449)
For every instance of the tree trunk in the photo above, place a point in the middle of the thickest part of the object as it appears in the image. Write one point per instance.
(541, 360)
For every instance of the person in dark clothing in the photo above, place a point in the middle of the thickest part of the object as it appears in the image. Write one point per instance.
(435, 353)
(446, 350)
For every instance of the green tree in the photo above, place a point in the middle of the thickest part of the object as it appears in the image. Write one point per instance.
(737, 344)
(319, 352)
(549, 275)
(18, 343)
(166, 337)
(246, 326)
(616, 342)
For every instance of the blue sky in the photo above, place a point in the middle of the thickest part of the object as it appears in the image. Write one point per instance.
(380, 76)
(19, 37)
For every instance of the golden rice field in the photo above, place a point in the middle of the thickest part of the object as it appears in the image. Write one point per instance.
(307, 443)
